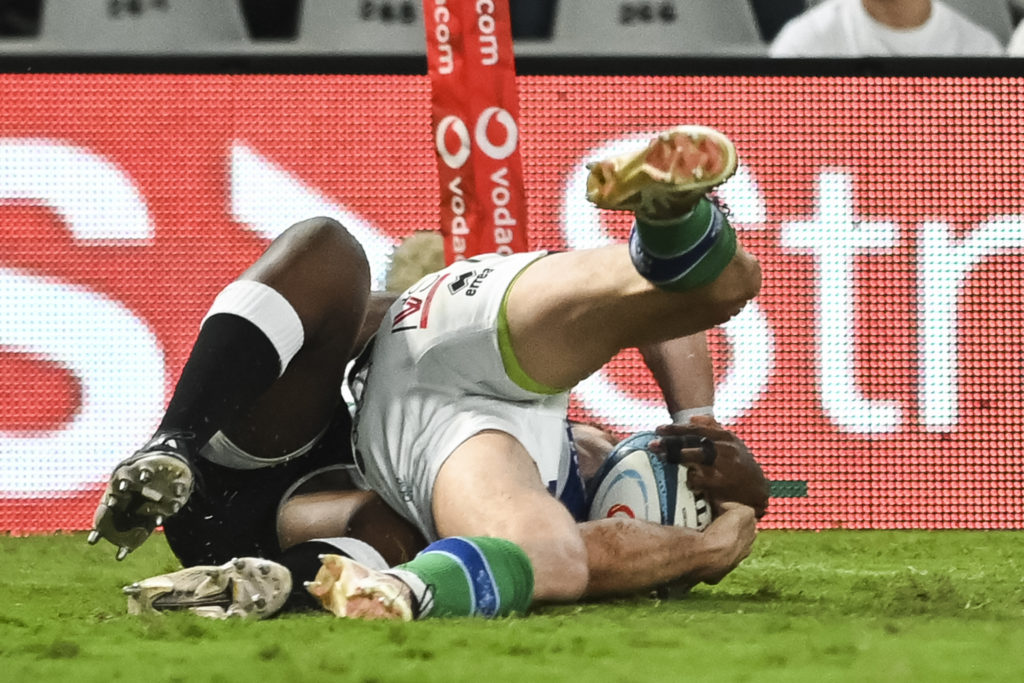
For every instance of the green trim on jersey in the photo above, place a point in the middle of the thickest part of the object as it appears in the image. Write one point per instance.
(513, 369)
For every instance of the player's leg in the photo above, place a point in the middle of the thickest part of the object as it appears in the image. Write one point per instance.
(322, 512)
(505, 541)
(569, 313)
(349, 590)
(265, 371)
(336, 522)
(490, 486)
(311, 288)
(363, 515)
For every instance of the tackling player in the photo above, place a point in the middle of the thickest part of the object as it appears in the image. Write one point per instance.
(467, 442)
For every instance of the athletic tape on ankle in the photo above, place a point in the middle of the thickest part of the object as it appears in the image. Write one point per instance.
(267, 309)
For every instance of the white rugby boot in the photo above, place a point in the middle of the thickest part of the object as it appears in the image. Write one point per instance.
(247, 587)
(666, 178)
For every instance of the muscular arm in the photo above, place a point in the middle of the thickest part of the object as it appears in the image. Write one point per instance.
(628, 555)
(682, 368)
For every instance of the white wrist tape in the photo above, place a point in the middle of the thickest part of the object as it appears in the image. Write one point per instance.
(684, 416)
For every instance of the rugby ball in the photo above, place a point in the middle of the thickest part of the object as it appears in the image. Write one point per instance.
(634, 482)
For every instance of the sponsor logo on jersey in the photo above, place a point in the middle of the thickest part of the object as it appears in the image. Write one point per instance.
(469, 282)
(461, 282)
(621, 510)
(410, 306)
(477, 281)
(415, 311)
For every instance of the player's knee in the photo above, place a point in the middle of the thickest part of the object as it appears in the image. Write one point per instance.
(577, 575)
(322, 235)
(324, 254)
(561, 571)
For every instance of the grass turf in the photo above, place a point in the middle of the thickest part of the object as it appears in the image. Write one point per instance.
(829, 606)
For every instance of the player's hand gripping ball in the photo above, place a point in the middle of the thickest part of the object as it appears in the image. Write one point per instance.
(635, 482)
(718, 463)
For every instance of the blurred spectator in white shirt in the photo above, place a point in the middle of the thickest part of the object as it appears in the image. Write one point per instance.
(1016, 45)
(909, 28)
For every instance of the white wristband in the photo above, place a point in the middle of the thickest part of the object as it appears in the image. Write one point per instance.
(684, 416)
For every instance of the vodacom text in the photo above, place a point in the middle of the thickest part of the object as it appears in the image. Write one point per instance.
(501, 222)
(487, 41)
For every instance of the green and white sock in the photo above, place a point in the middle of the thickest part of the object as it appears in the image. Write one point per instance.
(685, 253)
(461, 576)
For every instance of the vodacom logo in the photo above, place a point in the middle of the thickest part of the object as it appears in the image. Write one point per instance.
(457, 157)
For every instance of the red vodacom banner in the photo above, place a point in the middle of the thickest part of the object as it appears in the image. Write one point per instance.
(475, 109)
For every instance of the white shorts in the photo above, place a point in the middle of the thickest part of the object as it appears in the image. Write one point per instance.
(435, 377)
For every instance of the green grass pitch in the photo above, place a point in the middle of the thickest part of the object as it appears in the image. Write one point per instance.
(901, 606)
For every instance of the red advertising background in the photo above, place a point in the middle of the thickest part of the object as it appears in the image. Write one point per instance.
(878, 377)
